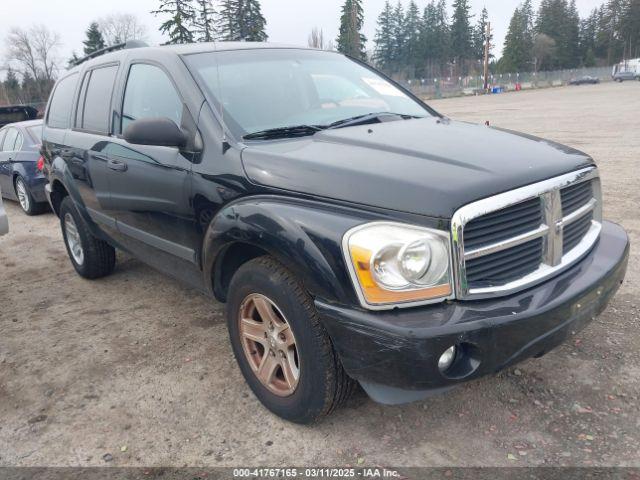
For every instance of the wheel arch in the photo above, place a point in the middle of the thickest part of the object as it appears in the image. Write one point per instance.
(19, 170)
(304, 236)
(58, 193)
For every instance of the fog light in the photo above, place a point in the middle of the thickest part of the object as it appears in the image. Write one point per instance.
(447, 358)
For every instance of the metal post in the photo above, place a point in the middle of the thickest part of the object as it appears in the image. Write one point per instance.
(487, 48)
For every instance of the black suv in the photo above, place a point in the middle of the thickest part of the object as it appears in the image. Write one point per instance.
(355, 235)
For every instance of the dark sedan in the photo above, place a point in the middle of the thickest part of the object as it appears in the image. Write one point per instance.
(586, 80)
(21, 176)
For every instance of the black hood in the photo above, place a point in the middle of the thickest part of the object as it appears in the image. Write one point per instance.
(428, 166)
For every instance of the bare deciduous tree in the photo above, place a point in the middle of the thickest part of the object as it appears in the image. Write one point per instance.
(121, 27)
(543, 47)
(45, 44)
(316, 40)
(20, 50)
(35, 54)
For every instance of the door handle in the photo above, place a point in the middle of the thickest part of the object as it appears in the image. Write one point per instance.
(99, 156)
(117, 166)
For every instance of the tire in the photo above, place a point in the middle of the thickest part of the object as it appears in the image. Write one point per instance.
(98, 258)
(25, 198)
(322, 384)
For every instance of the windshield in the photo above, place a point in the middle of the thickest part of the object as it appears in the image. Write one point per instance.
(265, 89)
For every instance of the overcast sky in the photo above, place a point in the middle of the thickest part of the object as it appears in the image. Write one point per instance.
(288, 21)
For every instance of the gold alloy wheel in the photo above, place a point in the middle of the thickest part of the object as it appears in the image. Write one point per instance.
(269, 345)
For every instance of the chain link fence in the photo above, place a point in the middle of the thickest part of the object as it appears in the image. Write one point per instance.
(442, 87)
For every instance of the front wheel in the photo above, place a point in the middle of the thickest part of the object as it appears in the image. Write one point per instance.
(91, 257)
(283, 351)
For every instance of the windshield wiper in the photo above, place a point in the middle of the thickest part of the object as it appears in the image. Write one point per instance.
(309, 130)
(368, 118)
(284, 132)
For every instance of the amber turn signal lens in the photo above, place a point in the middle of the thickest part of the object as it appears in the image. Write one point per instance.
(376, 295)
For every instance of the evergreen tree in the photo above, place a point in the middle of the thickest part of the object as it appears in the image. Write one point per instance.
(350, 40)
(383, 54)
(571, 37)
(630, 28)
(254, 26)
(29, 89)
(400, 36)
(203, 21)
(228, 20)
(181, 16)
(528, 22)
(94, 41)
(480, 35)
(412, 28)
(461, 34)
(73, 60)
(241, 20)
(559, 20)
(12, 86)
(588, 35)
(518, 45)
(435, 38)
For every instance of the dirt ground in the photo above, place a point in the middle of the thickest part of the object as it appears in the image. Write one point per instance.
(137, 370)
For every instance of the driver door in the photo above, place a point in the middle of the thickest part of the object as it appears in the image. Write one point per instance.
(150, 185)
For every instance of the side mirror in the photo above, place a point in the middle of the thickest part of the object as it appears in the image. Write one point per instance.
(160, 132)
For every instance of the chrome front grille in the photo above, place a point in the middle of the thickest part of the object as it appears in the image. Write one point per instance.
(575, 196)
(511, 241)
(503, 224)
(506, 265)
(575, 232)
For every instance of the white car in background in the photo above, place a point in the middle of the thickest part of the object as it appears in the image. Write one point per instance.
(4, 222)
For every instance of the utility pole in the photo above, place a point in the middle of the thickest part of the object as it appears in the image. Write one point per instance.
(487, 49)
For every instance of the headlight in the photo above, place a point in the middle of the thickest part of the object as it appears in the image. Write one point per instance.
(394, 264)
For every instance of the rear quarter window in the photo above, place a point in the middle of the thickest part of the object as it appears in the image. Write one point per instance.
(61, 101)
(94, 111)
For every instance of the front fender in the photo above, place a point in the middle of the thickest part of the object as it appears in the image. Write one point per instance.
(305, 236)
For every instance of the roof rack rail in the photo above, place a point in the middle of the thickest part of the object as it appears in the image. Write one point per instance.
(112, 48)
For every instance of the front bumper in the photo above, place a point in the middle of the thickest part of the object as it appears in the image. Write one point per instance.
(394, 355)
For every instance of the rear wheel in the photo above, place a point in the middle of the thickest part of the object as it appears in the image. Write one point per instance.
(91, 257)
(283, 351)
(26, 200)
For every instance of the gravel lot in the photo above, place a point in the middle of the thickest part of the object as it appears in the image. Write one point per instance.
(138, 370)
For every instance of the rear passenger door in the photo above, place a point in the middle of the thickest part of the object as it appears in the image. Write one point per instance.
(150, 185)
(90, 137)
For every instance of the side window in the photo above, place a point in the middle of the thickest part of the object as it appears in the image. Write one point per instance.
(150, 94)
(13, 136)
(95, 101)
(60, 106)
